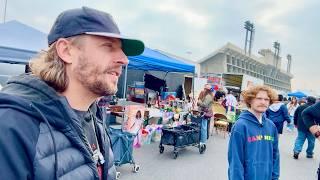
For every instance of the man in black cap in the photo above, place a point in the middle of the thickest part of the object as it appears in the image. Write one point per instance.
(303, 131)
(50, 126)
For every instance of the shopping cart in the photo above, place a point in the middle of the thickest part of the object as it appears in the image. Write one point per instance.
(122, 146)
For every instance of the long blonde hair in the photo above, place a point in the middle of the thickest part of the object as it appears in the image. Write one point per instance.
(49, 67)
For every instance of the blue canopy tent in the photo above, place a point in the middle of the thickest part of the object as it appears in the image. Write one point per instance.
(19, 42)
(15, 56)
(297, 94)
(153, 60)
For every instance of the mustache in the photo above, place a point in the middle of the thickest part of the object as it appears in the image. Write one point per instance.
(263, 106)
(113, 68)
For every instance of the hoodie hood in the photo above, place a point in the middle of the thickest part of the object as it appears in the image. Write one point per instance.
(29, 87)
(41, 96)
(247, 115)
(275, 106)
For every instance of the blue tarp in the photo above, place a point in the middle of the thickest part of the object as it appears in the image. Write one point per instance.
(297, 94)
(20, 42)
(155, 61)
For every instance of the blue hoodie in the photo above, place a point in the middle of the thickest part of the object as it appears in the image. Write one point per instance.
(278, 113)
(253, 152)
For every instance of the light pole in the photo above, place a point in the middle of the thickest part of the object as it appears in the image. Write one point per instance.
(289, 57)
(5, 11)
(249, 29)
(276, 46)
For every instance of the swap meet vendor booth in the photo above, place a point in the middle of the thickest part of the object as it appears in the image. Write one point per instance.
(164, 110)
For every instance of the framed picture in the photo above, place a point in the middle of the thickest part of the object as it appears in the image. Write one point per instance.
(133, 118)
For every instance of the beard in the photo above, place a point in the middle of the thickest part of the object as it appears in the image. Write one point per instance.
(94, 78)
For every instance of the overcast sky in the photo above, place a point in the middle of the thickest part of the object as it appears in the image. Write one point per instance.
(194, 29)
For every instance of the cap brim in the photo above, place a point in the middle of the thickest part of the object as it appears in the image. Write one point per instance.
(130, 47)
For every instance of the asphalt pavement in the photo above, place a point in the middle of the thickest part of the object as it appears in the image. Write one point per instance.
(212, 165)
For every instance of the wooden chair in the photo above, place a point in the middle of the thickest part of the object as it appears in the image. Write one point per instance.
(217, 108)
(221, 123)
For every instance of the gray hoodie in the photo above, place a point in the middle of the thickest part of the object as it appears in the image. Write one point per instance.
(275, 106)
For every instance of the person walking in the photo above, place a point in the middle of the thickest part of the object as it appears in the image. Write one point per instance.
(303, 132)
(253, 152)
(231, 101)
(50, 125)
(311, 118)
(205, 101)
(278, 113)
(292, 106)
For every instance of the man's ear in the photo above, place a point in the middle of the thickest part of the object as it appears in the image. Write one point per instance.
(63, 47)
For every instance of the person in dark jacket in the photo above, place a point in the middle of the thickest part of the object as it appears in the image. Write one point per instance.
(253, 152)
(303, 132)
(278, 113)
(311, 118)
(50, 125)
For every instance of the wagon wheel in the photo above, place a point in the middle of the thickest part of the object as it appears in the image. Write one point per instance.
(136, 168)
(175, 155)
(161, 149)
(202, 148)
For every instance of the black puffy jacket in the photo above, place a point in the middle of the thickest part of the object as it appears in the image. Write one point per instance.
(41, 136)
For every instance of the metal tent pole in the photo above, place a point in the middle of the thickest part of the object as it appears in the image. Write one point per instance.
(125, 82)
(193, 100)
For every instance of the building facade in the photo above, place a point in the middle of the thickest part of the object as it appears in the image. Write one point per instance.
(231, 59)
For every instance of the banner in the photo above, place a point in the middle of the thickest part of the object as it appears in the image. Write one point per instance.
(139, 89)
(248, 81)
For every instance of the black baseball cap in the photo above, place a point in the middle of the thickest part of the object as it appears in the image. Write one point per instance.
(90, 21)
(311, 100)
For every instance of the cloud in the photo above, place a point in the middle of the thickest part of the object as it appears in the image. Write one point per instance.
(271, 17)
(42, 21)
(184, 13)
(201, 27)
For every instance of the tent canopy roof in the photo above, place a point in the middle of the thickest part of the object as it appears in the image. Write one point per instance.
(20, 42)
(155, 61)
(20, 36)
(297, 94)
(15, 56)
